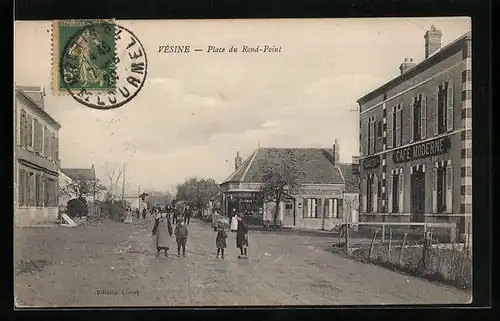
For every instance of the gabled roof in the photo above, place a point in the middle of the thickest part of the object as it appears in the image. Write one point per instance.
(316, 165)
(79, 173)
(350, 178)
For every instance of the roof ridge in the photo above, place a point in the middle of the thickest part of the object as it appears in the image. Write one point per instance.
(236, 171)
(341, 174)
(249, 164)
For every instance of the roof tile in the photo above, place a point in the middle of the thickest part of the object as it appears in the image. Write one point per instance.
(79, 173)
(314, 165)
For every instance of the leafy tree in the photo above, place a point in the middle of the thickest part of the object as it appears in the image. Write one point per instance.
(280, 179)
(198, 192)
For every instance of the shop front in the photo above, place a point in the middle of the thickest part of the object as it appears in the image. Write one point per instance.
(424, 181)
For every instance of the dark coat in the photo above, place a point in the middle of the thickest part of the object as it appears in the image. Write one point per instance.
(241, 234)
(220, 240)
(181, 232)
(242, 227)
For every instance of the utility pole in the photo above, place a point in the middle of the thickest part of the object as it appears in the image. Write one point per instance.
(139, 199)
(123, 183)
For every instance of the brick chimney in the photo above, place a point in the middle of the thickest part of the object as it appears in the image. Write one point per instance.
(432, 41)
(237, 161)
(336, 152)
(407, 65)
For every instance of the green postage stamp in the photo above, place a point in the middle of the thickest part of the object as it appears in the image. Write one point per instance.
(84, 56)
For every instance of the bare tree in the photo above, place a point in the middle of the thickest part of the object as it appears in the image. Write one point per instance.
(113, 173)
(280, 179)
(79, 187)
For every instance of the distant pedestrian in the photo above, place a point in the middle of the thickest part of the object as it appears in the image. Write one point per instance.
(242, 237)
(144, 213)
(220, 240)
(234, 221)
(181, 236)
(137, 213)
(187, 215)
(175, 215)
(162, 231)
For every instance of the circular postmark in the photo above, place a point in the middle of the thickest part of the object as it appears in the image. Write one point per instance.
(103, 66)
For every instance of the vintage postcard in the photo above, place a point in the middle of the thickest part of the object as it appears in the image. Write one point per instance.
(181, 163)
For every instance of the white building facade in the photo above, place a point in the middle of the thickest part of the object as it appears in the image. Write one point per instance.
(36, 163)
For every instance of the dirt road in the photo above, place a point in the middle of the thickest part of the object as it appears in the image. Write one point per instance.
(113, 265)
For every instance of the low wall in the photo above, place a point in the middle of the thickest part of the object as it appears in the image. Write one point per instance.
(317, 223)
(28, 216)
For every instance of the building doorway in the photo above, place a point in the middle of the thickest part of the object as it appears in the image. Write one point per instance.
(369, 193)
(418, 194)
(289, 213)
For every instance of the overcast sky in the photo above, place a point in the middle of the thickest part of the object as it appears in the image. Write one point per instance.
(196, 110)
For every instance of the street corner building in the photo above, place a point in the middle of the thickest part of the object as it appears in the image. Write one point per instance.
(36, 153)
(416, 140)
(327, 194)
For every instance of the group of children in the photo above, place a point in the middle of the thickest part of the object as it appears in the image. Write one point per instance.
(162, 231)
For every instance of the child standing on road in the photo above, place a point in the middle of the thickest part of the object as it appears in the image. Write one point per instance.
(220, 240)
(181, 235)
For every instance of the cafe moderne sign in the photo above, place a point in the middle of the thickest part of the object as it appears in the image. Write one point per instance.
(427, 149)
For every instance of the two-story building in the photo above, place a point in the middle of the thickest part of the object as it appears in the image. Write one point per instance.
(416, 139)
(36, 154)
(325, 185)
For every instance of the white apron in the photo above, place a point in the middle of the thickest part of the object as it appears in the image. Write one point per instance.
(234, 224)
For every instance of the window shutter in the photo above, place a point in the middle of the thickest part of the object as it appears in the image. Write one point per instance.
(401, 189)
(375, 193)
(398, 127)
(35, 129)
(38, 190)
(340, 208)
(449, 189)
(31, 189)
(389, 198)
(53, 147)
(423, 117)
(319, 208)
(56, 146)
(434, 190)
(412, 120)
(435, 103)
(45, 141)
(49, 144)
(363, 197)
(22, 128)
(367, 141)
(449, 107)
(29, 131)
(372, 136)
(389, 127)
